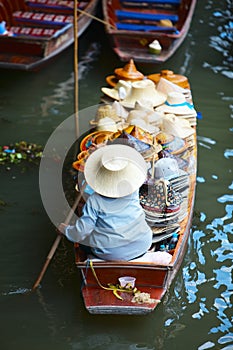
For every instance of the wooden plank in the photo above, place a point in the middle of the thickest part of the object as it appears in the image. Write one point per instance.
(99, 301)
(145, 28)
(163, 2)
(130, 15)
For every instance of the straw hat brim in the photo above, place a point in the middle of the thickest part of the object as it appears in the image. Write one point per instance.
(177, 126)
(157, 98)
(178, 110)
(111, 80)
(95, 122)
(118, 183)
(87, 141)
(111, 92)
(167, 86)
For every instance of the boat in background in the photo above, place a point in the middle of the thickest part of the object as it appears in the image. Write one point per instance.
(101, 290)
(34, 31)
(150, 31)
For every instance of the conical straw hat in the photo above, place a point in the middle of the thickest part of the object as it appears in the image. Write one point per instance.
(128, 72)
(115, 170)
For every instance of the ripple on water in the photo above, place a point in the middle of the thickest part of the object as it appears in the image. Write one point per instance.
(222, 40)
(208, 277)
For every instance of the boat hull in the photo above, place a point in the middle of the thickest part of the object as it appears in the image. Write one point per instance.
(28, 52)
(135, 44)
(99, 301)
(155, 271)
(150, 278)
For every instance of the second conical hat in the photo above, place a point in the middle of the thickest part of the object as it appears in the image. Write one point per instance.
(128, 72)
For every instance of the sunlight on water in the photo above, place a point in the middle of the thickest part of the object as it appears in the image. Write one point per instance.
(196, 313)
(222, 42)
(17, 291)
(217, 236)
(228, 153)
(86, 60)
(63, 91)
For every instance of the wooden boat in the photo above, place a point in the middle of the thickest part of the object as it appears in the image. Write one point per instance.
(149, 31)
(100, 289)
(37, 30)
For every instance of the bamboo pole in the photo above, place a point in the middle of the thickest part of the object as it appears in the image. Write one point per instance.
(71, 212)
(57, 240)
(90, 15)
(76, 69)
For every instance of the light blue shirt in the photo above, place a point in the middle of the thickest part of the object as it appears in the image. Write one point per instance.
(114, 228)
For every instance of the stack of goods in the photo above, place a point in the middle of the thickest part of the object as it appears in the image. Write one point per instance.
(162, 205)
(174, 169)
(177, 104)
(139, 139)
(154, 115)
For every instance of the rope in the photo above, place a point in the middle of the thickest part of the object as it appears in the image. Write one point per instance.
(90, 15)
(114, 288)
(96, 18)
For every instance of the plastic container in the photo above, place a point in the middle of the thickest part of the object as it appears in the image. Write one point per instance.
(163, 248)
(173, 241)
(127, 281)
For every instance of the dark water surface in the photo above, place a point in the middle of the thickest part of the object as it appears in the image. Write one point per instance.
(197, 312)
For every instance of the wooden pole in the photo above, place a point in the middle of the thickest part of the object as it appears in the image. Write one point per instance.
(58, 239)
(76, 69)
(71, 212)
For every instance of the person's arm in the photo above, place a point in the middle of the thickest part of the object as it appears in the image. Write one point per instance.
(83, 226)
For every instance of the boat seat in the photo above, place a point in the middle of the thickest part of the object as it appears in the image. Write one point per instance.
(40, 19)
(154, 258)
(146, 28)
(37, 32)
(162, 2)
(130, 15)
(56, 6)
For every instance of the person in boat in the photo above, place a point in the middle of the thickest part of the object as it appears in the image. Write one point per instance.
(113, 225)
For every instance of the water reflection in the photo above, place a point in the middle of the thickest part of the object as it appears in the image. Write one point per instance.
(208, 278)
(221, 19)
(64, 90)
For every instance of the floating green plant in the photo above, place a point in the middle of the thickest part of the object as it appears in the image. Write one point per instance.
(20, 151)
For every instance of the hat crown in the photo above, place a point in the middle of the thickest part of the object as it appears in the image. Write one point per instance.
(113, 162)
(106, 111)
(175, 97)
(142, 89)
(107, 123)
(145, 92)
(129, 71)
(123, 83)
(115, 170)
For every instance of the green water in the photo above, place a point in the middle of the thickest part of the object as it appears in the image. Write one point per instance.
(197, 312)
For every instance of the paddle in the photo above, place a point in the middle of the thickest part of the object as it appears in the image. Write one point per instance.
(58, 239)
